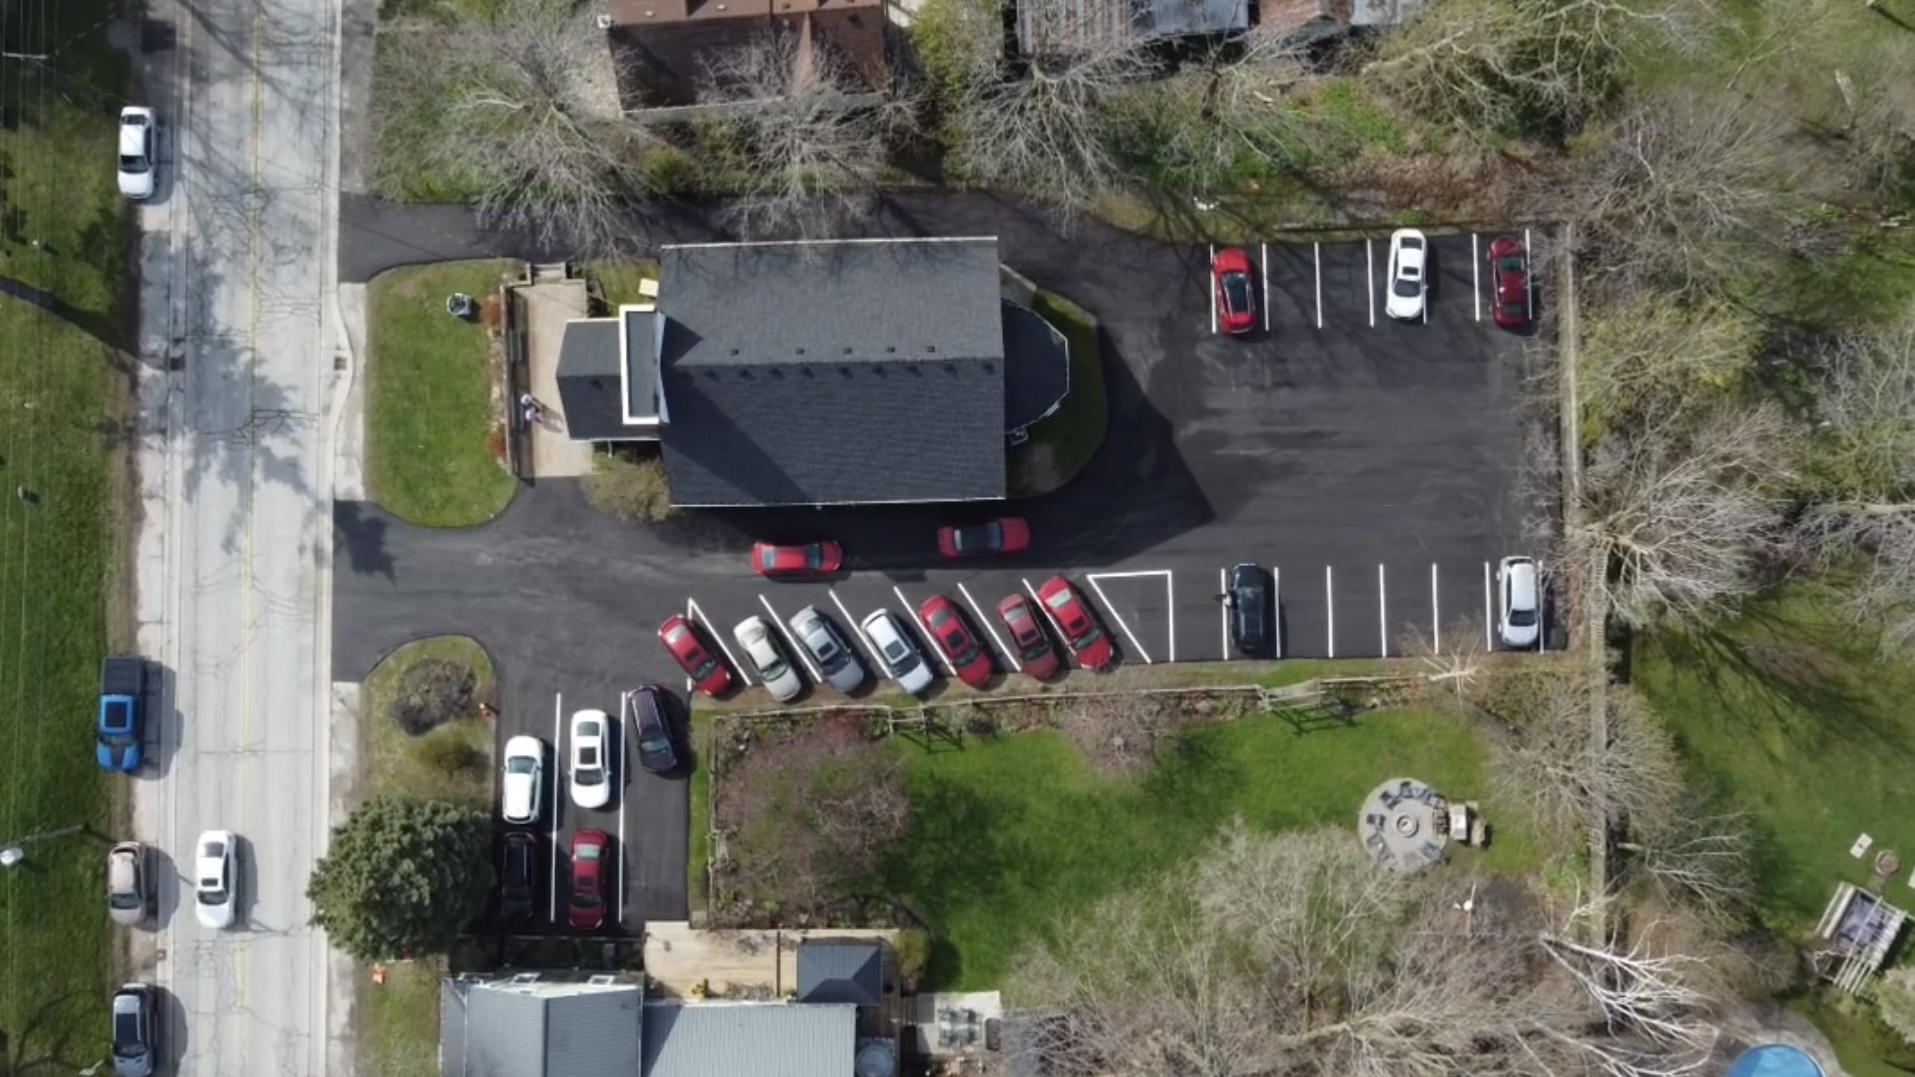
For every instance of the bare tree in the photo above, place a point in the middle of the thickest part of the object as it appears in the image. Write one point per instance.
(1866, 453)
(517, 108)
(1694, 191)
(1684, 514)
(1521, 66)
(1121, 734)
(1639, 991)
(1697, 857)
(804, 137)
(1045, 125)
(1645, 351)
(1549, 764)
(1453, 660)
(1231, 104)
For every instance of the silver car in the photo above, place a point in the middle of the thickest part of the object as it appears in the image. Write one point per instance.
(767, 658)
(815, 632)
(135, 1039)
(902, 660)
(127, 898)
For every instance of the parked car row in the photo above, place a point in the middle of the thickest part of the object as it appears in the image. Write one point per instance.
(522, 859)
(1406, 283)
(942, 622)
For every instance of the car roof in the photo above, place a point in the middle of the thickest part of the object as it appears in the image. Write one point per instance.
(523, 745)
(132, 138)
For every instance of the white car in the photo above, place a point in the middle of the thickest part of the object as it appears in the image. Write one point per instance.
(1408, 279)
(215, 880)
(1518, 580)
(139, 146)
(902, 660)
(765, 656)
(522, 785)
(591, 759)
(817, 634)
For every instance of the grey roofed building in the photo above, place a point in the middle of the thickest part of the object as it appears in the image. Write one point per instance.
(850, 972)
(847, 372)
(608, 377)
(749, 1039)
(1062, 25)
(505, 1028)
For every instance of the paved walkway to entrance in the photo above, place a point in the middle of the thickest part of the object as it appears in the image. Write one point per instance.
(547, 308)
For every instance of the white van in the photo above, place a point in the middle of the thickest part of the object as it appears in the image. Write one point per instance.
(1520, 623)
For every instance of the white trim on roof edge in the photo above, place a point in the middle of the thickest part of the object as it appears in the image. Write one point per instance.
(828, 242)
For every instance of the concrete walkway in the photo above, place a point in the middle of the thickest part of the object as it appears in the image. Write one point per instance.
(547, 308)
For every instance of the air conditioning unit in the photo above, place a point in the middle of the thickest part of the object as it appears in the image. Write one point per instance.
(604, 22)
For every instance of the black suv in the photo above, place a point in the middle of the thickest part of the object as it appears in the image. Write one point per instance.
(1250, 614)
(651, 714)
(516, 872)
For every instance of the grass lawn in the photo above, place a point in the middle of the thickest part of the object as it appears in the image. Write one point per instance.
(619, 280)
(1789, 715)
(65, 407)
(1008, 836)
(1061, 445)
(400, 1018)
(700, 741)
(429, 398)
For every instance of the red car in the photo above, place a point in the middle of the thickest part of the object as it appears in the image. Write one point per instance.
(1235, 283)
(590, 850)
(947, 629)
(1509, 275)
(1008, 535)
(1034, 648)
(810, 559)
(687, 645)
(1074, 623)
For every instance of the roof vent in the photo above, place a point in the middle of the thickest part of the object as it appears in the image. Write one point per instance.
(916, 370)
(888, 349)
(987, 368)
(526, 978)
(801, 351)
(805, 370)
(847, 349)
(930, 347)
(603, 979)
(845, 370)
(734, 351)
(950, 368)
(777, 372)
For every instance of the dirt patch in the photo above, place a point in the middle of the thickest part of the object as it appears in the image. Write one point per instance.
(433, 692)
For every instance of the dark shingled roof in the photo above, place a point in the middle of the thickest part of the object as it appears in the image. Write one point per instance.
(591, 376)
(832, 373)
(841, 972)
(1037, 366)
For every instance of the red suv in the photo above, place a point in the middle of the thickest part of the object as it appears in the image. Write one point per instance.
(1034, 648)
(687, 644)
(1073, 620)
(1509, 275)
(590, 850)
(947, 629)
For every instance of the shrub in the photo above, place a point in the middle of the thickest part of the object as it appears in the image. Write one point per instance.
(911, 949)
(432, 693)
(632, 490)
(450, 751)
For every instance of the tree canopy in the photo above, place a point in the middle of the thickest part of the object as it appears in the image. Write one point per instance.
(402, 877)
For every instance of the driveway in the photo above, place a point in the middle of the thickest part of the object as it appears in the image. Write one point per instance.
(1372, 467)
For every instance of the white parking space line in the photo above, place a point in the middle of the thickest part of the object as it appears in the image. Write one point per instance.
(1488, 614)
(1170, 611)
(1476, 275)
(1382, 616)
(1330, 603)
(1276, 606)
(1210, 285)
(558, 712)
(857, 629)
(618, 880)
(691, 614)
(1223, 611)
(911, 621)
(1369, 276)
(1009, 655)
(1436, 615)
(1529, 280)
(1319, 262)
(1263, 263)
(718, 637)
(1112, 610)
(779, 626)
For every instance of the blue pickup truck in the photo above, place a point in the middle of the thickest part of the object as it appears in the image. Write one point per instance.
(122, 724)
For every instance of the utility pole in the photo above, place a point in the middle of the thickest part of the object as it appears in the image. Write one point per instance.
(14, 852)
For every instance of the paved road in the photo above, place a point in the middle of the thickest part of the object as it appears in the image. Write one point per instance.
(237, 269)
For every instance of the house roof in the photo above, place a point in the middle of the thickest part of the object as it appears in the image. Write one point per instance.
(539, 1029)
(591, 380)
(858, 371)
(1053, 25)
(850, 972)
(749, 1039)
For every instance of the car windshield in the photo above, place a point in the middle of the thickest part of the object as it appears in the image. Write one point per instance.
(588, 767)
(706, 668)
(1236, 291)
(133, 163)
(656, 743)
(954, 640)
(1522, 618)
(1083, 635)
(1032, 646)
(1514, 310)
(1405, 285)
(982, 537)
(211, 892)
(775, 669)
(815, 556)
(768, 557)
(590, 851)
(1510, 263)
(126, 1035)
(520, 764)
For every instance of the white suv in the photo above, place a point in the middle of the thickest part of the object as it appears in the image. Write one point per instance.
(591, 759)
(901, 657)
(522, 785)
(1518, 581)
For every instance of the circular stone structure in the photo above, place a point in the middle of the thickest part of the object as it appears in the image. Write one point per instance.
(1775, 1060)
(1404, 825)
